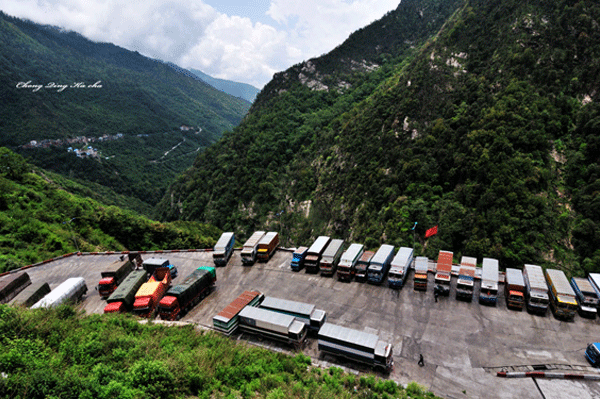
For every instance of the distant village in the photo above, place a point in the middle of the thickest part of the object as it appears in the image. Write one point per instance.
(88, 151)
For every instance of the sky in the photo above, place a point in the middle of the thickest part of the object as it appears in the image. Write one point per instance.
(244, 41)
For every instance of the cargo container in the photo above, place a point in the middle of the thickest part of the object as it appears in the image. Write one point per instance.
(314, 254)
(31, 294)
(298, 259)
(150, 265)
(466, 278)
(305, 312)
(267, 323)
(267, 246)
(488, 294)
(363, 265)
(380, 264)
(586, 296)
(150, 293)
(592, 354)
(356, 345)
(227, 320)
(71, 290)
(12, 284)
(331, 257)
(562, 296)
(399, 267)
(250, 248)
(115, 273)
(124, 296)
(184, 296)
(514, 289)
(443, 272)
(594, 279)
(536, 289)
(348, 261)
(420, 278)
(223, 249)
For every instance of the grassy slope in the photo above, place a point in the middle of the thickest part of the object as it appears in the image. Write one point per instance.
(113, 356)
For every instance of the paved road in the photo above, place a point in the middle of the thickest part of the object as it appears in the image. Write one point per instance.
(463, 344)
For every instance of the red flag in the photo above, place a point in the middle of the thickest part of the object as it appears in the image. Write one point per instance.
(431, 232)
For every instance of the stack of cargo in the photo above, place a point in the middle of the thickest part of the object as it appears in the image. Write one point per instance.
(181, 298)
(71, 289)
(122, 299)
(150, 293)
(12, 284)
(227, 320)
(31, 295)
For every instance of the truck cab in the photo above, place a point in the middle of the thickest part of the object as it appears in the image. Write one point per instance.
(592, 354)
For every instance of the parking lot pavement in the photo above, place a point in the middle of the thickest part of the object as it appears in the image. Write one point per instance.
(463, 343)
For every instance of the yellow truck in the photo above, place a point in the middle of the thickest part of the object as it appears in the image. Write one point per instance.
(562, 297)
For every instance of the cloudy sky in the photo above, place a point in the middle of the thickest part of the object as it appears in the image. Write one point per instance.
(246, 41)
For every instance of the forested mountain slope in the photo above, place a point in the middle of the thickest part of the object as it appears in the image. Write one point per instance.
(41, 218)
(489, 129)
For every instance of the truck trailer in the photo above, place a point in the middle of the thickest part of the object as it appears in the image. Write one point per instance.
(356, 345)
(124, 296)
(536, 289)
(331, 257)
(12, 284)
(466, 278)
(298, 256)
(314, 254)
(181, 298)
(279, 326)
(150, 265)
(363, 265)
(71, 289)
(586, 296)
(420, 278)
(115, 273)
(514, 289)
(488, 294)
(562, 296)
(348, 261)
(443, 272)
(31, 294)
(227, 320)
(399, 267)
(150, 293)
(305, 312)
(267, 246)
(184, 296)
(380, 264)
(594, 279)
(223, 249)
(250, 248)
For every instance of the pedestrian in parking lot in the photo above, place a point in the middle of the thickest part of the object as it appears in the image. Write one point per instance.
(435, 294)
(421, 362)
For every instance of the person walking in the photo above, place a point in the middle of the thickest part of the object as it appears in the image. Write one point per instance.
(435, 295)
(421, 362)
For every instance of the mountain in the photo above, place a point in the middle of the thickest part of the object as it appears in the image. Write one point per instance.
(479, 117)
(236, 89)
(147, 121)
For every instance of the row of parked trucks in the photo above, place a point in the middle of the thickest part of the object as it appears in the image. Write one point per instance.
(259, 247)
(291, 322)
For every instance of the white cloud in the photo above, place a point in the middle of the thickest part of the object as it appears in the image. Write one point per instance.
(193, 34)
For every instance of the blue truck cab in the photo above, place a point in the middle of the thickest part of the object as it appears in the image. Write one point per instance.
(592, 353)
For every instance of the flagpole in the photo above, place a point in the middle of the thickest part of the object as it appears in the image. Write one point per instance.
(414, 233)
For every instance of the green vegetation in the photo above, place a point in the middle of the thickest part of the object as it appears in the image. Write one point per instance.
(113, 356)
(480, 117)
(139, 97)
(40, 219)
